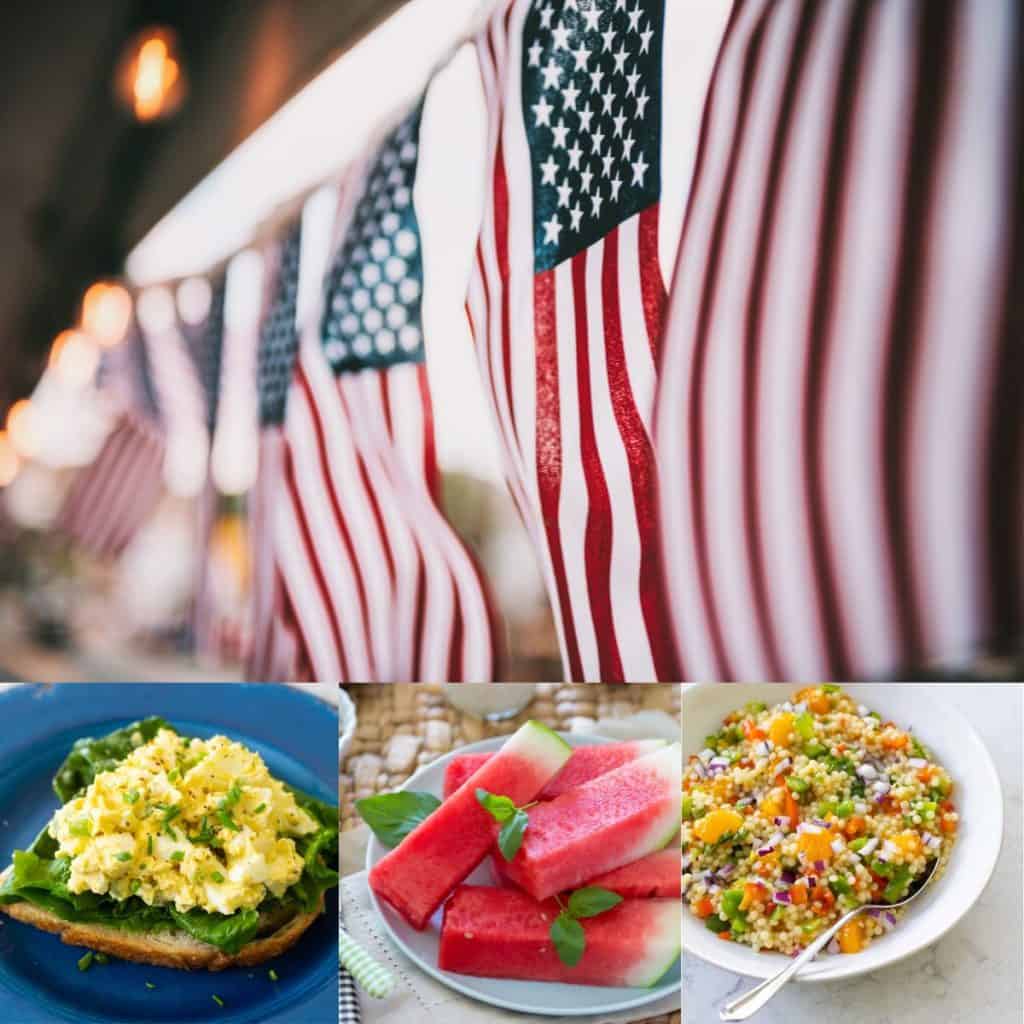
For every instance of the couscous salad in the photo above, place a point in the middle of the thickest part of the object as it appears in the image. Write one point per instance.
(795, 814)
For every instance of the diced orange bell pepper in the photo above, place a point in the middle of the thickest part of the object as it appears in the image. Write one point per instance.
(792, 809)
(704, 908)
(851, 936)
(816, 845)
(751, 731)
(753, 893)
(895, 741)
(798, 893)
(909, 842)
(713, 826)
(781, 729)
(855, 826)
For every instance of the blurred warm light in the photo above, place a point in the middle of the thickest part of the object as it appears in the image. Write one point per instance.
(75, 357)
(35, 496)
(194, 296)
(156, 310)
(22, 428)
(149, 78)
(106, 312)
(10, 463)
(229, 550)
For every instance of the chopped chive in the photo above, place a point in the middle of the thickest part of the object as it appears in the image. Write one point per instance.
(217, 877)
(272, 974)
(178, 856)
(173, 775)
(150, 984)
(135, 886)
(260, 809)
(81, 828)
(149, 845)
(227, 821)
(123, 857)
(131, 796)
(217, 1000)
(86, 962)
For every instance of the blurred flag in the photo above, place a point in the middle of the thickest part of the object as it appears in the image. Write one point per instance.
(382, 587)
(275, 652)
(566, 302)
(840, 415)
(110, 499)
(204, 341)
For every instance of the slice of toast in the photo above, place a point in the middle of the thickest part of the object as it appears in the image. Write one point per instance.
(277, 934)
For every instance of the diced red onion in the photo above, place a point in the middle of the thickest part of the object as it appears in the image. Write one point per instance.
(744, 801)
(916, 762)
(706, 754)
(782, 898)
(781, 820)
(783, 764)
(718, 761)
(865, 771)
(726, 871)
(869, 846)
(819, 866)
(788, 876)
(811, 881)
(833, 947)
(819, 822)
(838, 845)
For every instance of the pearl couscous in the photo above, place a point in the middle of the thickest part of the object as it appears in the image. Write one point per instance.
(795, 814)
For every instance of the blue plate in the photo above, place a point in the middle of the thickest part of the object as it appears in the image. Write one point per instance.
(295, 733)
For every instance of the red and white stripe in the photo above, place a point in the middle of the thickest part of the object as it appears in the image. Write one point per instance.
(839, 416)
(381, 587)
(568, 358)
(275, 652)
(112, 498)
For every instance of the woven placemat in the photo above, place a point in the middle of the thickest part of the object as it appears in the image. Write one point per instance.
(405, 726)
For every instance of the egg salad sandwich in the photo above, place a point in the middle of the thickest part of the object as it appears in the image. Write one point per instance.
(176, 851)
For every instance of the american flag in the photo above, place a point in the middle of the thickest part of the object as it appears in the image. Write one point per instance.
(204, 342)
(275, 651)
(381, 585)
(113, 497)
(840, 417)
(566, 301)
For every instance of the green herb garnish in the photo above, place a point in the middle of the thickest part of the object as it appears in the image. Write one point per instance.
(260, 809)
(86, 962)
(178, 856)
(150, 984)
(513, 820)
(392, 816)
(272, 974)
(131, 796)
(123, 857)
(217, 877)
(567, 933)
(217, 1000)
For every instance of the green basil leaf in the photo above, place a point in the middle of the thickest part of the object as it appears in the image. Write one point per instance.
(392, 816)
(500, 808)
(568, 938)
(592, 901)
(510, 838)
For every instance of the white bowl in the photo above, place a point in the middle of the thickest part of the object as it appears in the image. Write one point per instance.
(346, 724)
(978, 798)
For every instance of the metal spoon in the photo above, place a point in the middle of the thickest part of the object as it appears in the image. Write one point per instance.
(744, 1007)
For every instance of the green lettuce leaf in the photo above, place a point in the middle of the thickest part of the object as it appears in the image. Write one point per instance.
(229, 932)
(91, 756)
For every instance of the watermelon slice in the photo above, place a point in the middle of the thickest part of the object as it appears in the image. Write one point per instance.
(435, 857)
(501, 933)
(602, 825)
(585, 764)
(656, 876)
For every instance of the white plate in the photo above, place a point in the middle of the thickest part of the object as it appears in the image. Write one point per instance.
(978, 799)
(346, 724)
(547, 998)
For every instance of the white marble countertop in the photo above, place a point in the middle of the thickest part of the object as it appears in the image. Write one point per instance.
(972, 975)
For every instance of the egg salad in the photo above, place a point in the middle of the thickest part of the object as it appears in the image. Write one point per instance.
(184, 822)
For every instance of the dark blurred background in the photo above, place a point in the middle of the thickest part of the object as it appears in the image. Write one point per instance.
(82, 180)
